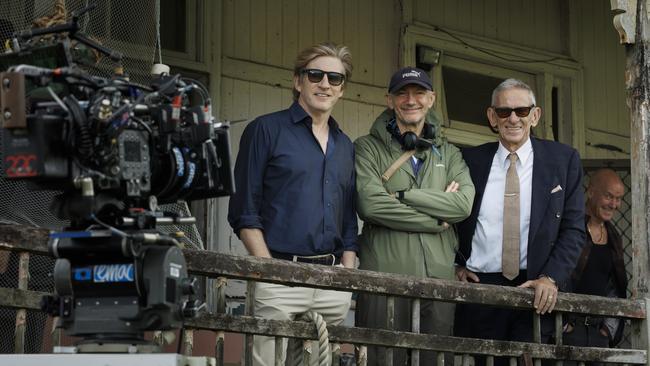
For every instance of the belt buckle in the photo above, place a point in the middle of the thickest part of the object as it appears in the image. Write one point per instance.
(587, 321)
(316, 259)
(333, 259)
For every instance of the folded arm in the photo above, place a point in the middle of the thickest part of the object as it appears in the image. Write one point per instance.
(377, 206)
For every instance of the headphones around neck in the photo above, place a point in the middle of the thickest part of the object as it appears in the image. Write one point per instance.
(409, 140)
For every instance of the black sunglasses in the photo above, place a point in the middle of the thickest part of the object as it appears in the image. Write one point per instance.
(519, 111)
(316, 75)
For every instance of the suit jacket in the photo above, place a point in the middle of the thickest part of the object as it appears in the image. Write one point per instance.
(557, 232)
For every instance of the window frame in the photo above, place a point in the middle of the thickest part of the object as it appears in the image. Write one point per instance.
(545, 74)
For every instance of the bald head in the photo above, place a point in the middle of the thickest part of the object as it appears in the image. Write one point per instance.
(604, 194)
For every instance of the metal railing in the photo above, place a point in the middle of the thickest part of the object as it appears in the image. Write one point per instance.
(222, 266)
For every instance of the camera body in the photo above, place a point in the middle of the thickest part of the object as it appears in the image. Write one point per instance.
(115, 149)
(133, 143)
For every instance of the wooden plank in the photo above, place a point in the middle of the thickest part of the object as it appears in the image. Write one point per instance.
(464, 17)
(321, 24)
(225, 99)
(274, 99)
(559, 327)
(279, 348)
(350, 34)
(364, 58)
(388, 338)
(242, 29)
(274, 23)
(258, 41)
(279, 271)
(449, 12)
(188, 342)
(560, 66)
(350, 119)
(490, 15)
(290, 32)
(406, 8)
(623, 113)
(552, 25)
(281, 77)
(257, 100)
(504, 30)
(241, 101)
(249, 310)
(21, 314)
(380, 42)
(603, 137)
(336, 21)
(419, 11)
(386, 38)
(366, 119)
(213, 264)
(340, 334)
(537, 328)
(219, 348)
(228, 19)
(287, 97)
(477, 11)
(538, 23)
(390, 324)
(637, 71)
(415, 328)
(305, 23)
(23, 238)
(600, 104)
(16, 299)
(520, 30)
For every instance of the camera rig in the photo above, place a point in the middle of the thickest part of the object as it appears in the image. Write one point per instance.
(116, 150)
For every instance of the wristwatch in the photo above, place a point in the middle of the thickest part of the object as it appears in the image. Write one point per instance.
(399, 195)
(549, 278)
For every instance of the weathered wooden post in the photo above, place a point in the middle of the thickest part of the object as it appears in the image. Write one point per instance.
(21, 314)
(633, 24)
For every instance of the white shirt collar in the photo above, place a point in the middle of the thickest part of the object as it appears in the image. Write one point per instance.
(523, 153)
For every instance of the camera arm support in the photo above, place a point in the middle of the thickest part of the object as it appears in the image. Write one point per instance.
(72, 27)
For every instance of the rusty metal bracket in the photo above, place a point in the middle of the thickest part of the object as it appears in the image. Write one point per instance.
(12, 100)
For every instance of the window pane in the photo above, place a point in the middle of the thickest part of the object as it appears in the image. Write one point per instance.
(173, 20)
(468, 95)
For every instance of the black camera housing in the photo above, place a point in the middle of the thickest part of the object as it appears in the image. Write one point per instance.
(116, 149)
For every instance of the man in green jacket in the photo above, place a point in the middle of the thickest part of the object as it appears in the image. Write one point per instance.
(411, 186)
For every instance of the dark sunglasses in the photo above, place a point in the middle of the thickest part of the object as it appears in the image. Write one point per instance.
(316, 75)
(506, 112)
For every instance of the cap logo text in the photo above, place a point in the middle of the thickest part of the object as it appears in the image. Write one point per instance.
(411, 73)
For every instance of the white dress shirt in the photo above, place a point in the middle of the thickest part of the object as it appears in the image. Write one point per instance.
(487, 242)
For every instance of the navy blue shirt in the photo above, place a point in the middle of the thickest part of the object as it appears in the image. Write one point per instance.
(301, 198)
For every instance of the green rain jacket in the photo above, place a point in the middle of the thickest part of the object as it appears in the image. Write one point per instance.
(407, 236)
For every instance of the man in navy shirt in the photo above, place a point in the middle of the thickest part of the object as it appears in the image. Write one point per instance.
(295, 191)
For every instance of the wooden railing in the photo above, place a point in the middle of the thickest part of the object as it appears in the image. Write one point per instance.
(218, 265)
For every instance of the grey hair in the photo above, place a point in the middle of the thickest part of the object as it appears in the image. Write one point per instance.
(512, 84)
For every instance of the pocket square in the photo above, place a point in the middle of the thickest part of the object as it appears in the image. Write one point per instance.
(556, 189)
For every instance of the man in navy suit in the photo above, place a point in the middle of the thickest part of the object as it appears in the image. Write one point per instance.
(550, 214)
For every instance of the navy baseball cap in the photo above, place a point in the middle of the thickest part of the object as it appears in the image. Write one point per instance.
(409, 75)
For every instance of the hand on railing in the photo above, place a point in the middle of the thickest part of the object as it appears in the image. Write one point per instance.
(465, 275)
(545, 294)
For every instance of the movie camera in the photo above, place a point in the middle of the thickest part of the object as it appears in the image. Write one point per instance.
(116, 150)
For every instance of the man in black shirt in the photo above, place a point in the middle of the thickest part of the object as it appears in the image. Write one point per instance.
(600, 270)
